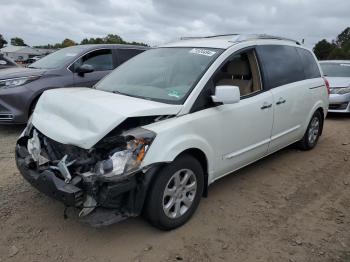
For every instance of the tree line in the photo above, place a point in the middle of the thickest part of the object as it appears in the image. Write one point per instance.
(109, 39)
(336, 49)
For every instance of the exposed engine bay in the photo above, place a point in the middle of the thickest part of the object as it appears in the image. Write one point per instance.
(104, 182)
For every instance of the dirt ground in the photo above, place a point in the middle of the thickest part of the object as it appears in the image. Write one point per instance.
(292, 206)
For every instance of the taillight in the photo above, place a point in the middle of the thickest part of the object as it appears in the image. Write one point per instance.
(327, 85)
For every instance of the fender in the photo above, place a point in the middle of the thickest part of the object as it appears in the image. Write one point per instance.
(166, 149)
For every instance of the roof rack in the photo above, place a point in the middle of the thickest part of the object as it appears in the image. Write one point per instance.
(209, 36)
(242, 38)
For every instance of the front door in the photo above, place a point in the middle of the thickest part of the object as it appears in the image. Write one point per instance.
(102, 62)
(245, 127)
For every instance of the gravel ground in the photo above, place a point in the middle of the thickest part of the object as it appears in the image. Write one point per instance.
(291, 206)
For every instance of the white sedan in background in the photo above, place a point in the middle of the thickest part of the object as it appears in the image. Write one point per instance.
(337, 73)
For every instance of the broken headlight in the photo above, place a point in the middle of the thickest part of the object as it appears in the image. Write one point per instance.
(128, 159)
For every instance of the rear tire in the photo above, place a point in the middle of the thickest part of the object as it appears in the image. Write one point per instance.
(175, 193)
(312, 133)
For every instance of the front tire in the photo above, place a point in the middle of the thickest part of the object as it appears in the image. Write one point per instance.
(312, 133)
(175, 193)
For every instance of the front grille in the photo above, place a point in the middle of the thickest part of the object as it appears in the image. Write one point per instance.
(342, 106)
(6, 117)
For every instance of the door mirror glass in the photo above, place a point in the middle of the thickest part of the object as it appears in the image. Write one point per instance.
(84, 69)
(226, 94)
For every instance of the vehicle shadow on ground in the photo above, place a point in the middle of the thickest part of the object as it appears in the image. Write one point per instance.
(338, 117)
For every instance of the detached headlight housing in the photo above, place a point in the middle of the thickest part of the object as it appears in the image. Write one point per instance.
(18, 81)
(128, 160)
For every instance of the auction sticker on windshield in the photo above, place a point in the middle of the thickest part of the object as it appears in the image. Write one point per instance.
(200, 51)
(174, 93)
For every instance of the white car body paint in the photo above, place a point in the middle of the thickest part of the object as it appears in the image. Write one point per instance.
(231, 136)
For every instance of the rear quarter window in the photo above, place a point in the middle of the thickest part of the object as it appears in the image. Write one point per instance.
(281, 65)
(311, 69)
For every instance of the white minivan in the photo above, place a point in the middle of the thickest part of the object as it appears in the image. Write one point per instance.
(154, 134)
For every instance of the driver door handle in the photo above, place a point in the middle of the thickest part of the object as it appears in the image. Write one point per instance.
(265, 106)
(280, 101)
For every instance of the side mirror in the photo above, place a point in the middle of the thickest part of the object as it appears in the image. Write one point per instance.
(226, 94)
(84, 69)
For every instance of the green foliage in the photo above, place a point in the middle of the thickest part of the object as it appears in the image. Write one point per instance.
(338, 49)
(17, 41)
(343, 38)
(2, 41)
(323, 49)
(67, 42)
(109, 39)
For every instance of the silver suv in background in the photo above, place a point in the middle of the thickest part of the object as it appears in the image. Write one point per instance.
(81, 65)
(337, 73)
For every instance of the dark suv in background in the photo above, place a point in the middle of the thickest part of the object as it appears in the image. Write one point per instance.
(81, 65)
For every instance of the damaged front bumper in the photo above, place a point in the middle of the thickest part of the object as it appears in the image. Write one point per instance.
(101, 201)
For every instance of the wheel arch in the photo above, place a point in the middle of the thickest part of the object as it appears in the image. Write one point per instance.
(320, 109)
(202, 158)
(317, 107)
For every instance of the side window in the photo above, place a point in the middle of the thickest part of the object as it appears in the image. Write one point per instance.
(126, 54)
(311, 69)
(241, 70)
(281, 64)
(101, 60)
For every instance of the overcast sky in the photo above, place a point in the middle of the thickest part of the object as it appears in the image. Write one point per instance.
(159, 21)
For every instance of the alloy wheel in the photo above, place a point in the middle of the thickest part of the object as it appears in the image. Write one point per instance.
(179, 193)
(314, 130)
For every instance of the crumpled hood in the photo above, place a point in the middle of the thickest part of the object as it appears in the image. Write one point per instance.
(338, 81)
(83, 116)
(14, 72)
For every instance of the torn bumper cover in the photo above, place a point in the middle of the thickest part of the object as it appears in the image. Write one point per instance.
(93, 182)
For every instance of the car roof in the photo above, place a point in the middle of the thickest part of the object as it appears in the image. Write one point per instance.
(335, 61)
(112, 46)
(225, 41)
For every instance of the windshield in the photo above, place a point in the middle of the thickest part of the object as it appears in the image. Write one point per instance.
(163, 74)
(336, 69)
(57, 59)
